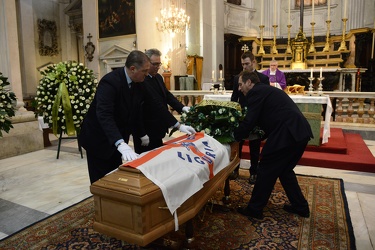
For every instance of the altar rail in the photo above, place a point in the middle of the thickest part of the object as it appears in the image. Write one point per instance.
(348, 107)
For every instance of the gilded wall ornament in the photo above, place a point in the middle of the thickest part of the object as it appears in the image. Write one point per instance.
(47, 31)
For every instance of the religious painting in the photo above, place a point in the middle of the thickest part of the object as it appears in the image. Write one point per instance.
(116, 17)
(47, 31)
(236, 2)
(309, 2)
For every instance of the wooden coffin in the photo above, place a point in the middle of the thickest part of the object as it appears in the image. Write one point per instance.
(129, 207)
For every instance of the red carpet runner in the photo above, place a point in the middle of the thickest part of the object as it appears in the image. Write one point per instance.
(343, 151)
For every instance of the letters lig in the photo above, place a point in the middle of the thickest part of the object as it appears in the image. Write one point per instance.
(191, 147)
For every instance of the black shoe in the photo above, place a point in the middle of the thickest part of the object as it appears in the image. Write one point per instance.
(303, 213)
(234, 175)
(252, 179)
(250, 214)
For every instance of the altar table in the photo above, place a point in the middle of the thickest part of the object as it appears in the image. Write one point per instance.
(310, 107)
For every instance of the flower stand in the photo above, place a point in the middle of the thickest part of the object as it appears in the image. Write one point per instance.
(64, 138)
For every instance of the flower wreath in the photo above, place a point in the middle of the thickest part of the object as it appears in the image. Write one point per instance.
(6, 107)
(218, 119)
(64, 96)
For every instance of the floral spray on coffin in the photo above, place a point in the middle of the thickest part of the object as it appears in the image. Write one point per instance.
(218, 119)
(64, 95)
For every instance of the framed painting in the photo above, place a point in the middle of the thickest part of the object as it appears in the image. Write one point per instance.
(116, 17)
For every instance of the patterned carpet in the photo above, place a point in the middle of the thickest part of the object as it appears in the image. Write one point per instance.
(329, 226)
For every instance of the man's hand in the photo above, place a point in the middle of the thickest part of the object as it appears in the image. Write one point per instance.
(127, 152)
(145, 140)
(186, 129)
(186, 109)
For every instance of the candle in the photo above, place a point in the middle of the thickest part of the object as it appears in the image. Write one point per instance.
(373, 41)
(313, 9)
(221, 74)
(261, 12)
(311, 73)
(321, 71)
(345, 6)
(274, 12)
(288, 12)
(213, 74)
(329, 9)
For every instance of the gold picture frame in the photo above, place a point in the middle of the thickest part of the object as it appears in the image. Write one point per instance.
(47, 31)
(116, 18)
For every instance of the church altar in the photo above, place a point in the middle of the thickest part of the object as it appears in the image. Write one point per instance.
(130, 207)
(310, 107)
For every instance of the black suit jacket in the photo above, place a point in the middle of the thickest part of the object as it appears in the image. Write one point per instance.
(277, 115)
(237, 96)
(156, 116)
(114, 114)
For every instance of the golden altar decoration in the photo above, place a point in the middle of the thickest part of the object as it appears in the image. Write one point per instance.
(299, 51)
(295, 90)
(130, 207)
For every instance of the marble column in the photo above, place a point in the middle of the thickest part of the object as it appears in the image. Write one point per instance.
(25, 135)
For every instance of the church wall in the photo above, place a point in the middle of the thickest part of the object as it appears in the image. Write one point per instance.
(200, 39)
(29, 47)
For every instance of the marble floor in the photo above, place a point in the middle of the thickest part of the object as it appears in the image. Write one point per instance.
(36, 185)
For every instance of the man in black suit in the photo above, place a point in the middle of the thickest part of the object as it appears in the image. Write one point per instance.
(113, 116)
(248, 63)
(287, 132)
(157, 118)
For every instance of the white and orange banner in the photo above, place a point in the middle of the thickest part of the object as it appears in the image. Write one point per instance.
(181, 168)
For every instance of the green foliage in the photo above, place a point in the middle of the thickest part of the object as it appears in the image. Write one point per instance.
(7, 109)
(218, 121)
(81, 85)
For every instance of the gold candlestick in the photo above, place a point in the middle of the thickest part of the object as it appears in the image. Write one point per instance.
(312, 46)
(326, 46)
(261, 49)
(274, 49)
(343, 44)
(288, 48)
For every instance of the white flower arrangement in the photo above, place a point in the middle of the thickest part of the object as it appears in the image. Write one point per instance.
(216, 118)
(6, 107)
(64, 95)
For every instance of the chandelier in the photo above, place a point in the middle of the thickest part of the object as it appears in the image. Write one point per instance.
(174, 20)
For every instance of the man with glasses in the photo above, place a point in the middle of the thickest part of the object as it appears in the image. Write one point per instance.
(113, 116)
(248, 63)
(276, 76)
(157, 119)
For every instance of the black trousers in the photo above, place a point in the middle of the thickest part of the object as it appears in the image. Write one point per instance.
(154, 143)
(254, 146)
(99, 167)
(279, 164)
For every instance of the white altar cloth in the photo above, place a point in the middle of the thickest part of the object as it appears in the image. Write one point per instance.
(297, 99)
(218, 97)
(319, 100)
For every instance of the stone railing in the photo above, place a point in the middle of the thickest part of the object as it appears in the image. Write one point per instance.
(348, 107)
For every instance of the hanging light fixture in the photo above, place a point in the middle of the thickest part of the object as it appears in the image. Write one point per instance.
(173, 20)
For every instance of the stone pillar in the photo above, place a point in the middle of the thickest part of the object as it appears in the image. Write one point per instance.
(25, 135)
(167, 79)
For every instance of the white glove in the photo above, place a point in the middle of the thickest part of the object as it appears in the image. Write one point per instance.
(186, 109)
(145, 140)
(127, 152)
(186, 129)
